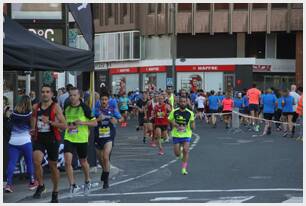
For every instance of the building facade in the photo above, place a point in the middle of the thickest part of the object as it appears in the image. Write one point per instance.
(217, 46)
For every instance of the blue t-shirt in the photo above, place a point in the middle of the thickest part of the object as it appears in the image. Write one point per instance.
(105, 128)
(112, 102)
(213, 102)
(124, 103)
(238, 103)
(289, 101)
(245, 101)
(193, 97)
(279, 103)
(268, 101)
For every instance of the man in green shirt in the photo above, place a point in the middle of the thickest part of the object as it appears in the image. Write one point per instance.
(182, 120)
(79, 118)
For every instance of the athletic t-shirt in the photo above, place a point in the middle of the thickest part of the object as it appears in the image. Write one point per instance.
(183, 119)
(227, 104)
(279, 103)
(245, 101)
(72, 114)
(105, 128)
(200, 101)
(253, 95)
(269, 101)
(193, 97)
(160, 112)
(221, 97)
(296, 97)
(213, 102)
(238, 103)
(289, 102)
(20, 132)
(123, 101)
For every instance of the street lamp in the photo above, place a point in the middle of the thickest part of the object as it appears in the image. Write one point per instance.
(173, 44)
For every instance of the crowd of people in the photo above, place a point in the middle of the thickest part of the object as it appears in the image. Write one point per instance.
(39, 125)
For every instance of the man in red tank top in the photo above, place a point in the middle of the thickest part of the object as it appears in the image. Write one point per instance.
(47, 117)
(161, 121)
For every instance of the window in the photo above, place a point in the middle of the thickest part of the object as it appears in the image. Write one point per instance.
(259, 6)
(285, 45)
(240, 6)
(109, 10)
(159, 8)
(297, 6)
(126, 46)
(151, 8)
(136, 42)
(124, 9)
(201, 7)
(37, 11)
(278, 6)
(184, 7)
(95, 11)
(221, 6)
(255, 45)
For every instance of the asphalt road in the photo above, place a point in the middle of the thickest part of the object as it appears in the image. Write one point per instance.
(224, 166)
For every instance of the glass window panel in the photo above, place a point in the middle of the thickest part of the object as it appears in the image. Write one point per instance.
(221, 6)
(184, 7)
(136, 45)
(279, 6)
(240, 6)
(151, 8)
(297, 6)
(126, 45)
(203, 7)
(159, 8)
(259, 6)
(37, 11)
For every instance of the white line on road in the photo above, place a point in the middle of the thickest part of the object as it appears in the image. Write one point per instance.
(157, 199)
(199, 191)
(235, 199)
(294, 200)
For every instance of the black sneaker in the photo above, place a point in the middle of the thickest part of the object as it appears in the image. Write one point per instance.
(137, 128)
(144, 140)
(269, 131)
(54, 197)
(105, 184)
(40, 189)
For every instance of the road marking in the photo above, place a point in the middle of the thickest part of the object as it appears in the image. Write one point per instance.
(260, 177)
(105, 201)
(199, 191)
(294, 200)
(157, 199)
(237, 199)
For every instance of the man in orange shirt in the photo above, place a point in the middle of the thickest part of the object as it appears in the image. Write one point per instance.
(253, 95)
(299, 111)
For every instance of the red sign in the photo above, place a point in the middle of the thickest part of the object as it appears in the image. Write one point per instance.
(123, 70)
(153, 69)
(206, 68)
(262, 68)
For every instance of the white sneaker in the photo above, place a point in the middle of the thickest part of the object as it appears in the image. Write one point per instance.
(73, 190)
(87, 187)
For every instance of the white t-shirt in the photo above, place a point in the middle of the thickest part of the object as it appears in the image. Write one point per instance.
(296, 97)
(200, 100)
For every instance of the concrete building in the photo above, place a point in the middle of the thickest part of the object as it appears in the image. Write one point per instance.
(218, 45)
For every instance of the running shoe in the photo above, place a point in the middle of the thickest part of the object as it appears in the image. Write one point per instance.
(87, 187)
(8, 189)
(256, 128)
(54, 197)
(161, 152)
(144, 140)
(184, 171)
(285, 134)
(181, 156)
(105, 184)
(73, 190)
(33, 185)
(167, 140)
(152, 144)
(40, 189)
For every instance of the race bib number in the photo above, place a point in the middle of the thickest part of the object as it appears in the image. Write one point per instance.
(73, 131)
(42, 127)
(181, 128)
(104, 132)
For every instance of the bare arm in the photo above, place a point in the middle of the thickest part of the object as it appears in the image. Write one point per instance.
(61, 123)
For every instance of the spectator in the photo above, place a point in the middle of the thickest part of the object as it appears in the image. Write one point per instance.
(34, 99)
(64, 97)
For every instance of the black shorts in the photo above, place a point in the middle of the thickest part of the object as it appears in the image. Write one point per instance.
(254, 107)
(47, 143)
(200, 109)
(162, 127)
(227, 115)
(213, 111)
(80, 148)
(268, 116)
(288, 113)
(123, 111)
(295, 117)
(246, 110)
(100, 142)
(141, 119)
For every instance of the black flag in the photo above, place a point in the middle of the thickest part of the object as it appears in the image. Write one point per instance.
(83, 17)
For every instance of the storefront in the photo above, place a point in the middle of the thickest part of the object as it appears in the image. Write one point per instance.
(124, 80)
(206, 77)
(153, 77)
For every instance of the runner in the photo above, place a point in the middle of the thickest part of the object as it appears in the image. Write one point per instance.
(200, 102)
(253, 95)
(161, 122)
(238, 103)
(20, 143)
(79, 118)
(46, 119)
(245, 108)
(288, 112)
(299, 110)
(279, 110)
(150, 117)
(182, 120)
(141, 103)
(213, 104)
(296, 97)
(227, 104)
(104, 135)
(269, 102)
(123, 106)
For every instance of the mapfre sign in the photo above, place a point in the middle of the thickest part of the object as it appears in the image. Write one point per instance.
(262, 68)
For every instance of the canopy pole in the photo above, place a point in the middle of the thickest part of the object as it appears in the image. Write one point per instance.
(28, 82)
(92, 90)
